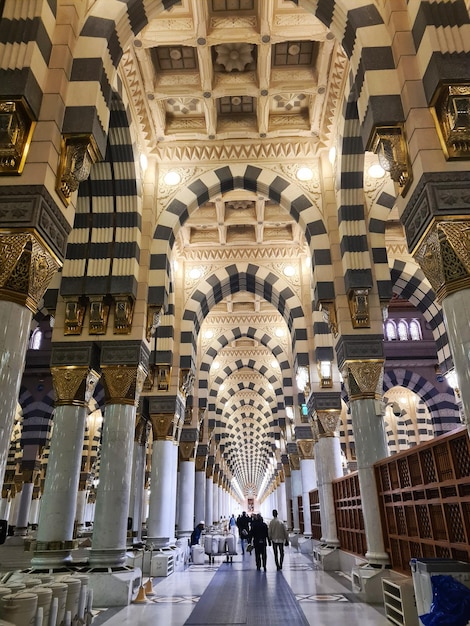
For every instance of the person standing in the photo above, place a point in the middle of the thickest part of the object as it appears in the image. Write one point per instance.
(259, 539)
(196, 534)
(232, 525)
(279, 537)
(243, 525)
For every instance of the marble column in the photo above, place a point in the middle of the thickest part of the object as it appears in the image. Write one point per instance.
(187, 471)
(364, 383)
(138, 477)
(160, 519)
(296, 484)
(328, 464)
(74, 385)
(122, 384)
(209, 509)
(309, 482)
(80, 512)
(282, 500)
(288, 489)
(215, 499)
(24, 506)
(200, 484)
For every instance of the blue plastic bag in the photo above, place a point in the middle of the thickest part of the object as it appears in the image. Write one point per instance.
(451, 603)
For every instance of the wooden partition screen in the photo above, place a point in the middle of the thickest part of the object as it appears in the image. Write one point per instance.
(425, 500)
(314, 498)
(349, 519)
(300, 504)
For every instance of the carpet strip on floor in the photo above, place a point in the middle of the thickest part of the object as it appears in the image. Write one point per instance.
(249, 597)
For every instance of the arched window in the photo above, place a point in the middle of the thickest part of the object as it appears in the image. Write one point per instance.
(390, 331)
(415, 330)
(35, 340)
(402, 330)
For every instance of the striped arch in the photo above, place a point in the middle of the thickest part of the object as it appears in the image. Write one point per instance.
(410, 283)
(103, 251)
(37, 417)
(111, 25)
(441, 406)
(238, 386)
(254, 279)
(265, 183)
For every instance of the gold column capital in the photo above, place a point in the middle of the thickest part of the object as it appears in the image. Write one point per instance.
(26, 268)
(186, 451)
(444, 256)
(305, 447)
(123, 383)
(328, 422)
(294, 460)
(363, 379)
(163, 426)
(74, 385)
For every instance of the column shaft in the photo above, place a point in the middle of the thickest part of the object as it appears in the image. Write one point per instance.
(186, 498)
(160, 518)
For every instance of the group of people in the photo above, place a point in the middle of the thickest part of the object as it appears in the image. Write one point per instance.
(255, 532)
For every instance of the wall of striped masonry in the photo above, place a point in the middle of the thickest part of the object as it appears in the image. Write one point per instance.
(37, 416)
(103, 252)
(243, 277)
(410, 283)
(441, 406)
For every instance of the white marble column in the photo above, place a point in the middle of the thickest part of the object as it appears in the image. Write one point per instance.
(34, 510)
(288, 489)
(209, 509)
(215, 502)
(15, 323)
(174, 488)
(200, 497)
(5, 505)
(59, 499)
(371, 446)
(24, 506)
(456, 309)
(282, 501)
(328, 464)
(160, 522)
(80, 511)
(108, 547)
(186, 498)
(137, 489)
(309, 482)
(296, 480)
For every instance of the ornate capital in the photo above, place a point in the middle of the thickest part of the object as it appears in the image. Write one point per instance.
(163, 426)
(294, 461)
(123, 383)
(26, 268)
(187, 451)
(444, 256)
(77, 155)
(141, 430)
(363, 379)
(201, 463)
(451, 112)
(305, 447)
(328, 422)
(74, 385)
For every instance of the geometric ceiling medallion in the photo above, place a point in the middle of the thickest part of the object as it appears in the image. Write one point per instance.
(16, 130)
(451, 111)
(389, 144)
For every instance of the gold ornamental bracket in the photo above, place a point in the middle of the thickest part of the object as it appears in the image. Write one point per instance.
(358, 300)
(390, 146)
(77, 154)
(328, 311)
(450, 108)
(16, 130)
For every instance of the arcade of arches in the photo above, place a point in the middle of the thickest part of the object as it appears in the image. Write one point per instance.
(234, 258)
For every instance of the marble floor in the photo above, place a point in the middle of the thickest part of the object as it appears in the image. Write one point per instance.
(325, 598)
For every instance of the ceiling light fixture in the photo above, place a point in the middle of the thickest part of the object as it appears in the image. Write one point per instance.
(172, 178)
(304, 174)
(376, 171)
(289, 271)
(195, 273)
(332, 155)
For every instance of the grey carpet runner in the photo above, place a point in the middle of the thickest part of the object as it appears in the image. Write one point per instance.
(246, 596)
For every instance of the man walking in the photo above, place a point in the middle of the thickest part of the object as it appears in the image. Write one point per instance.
(278, 535)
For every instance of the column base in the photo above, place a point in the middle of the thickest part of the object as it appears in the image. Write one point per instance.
(378, 559)
(51, 559)
(367, 583)
(155, 543)
(105, 560)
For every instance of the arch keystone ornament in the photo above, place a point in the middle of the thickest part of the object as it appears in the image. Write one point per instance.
(444, 256)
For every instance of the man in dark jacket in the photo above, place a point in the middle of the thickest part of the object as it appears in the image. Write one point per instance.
(196, 534)
(243, 525)
(259, 539)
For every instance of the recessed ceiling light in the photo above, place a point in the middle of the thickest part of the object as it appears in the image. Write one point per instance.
(172, 178)
(289, 270)
(376, 171)
(304, 173)
(208, 334)
(143, 161)
(195, 273)
(279, 332)
(332, 155)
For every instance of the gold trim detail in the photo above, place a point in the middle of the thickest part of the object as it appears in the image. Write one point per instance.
(294, 461)
(186, 382)
(358, 300)
(26, 269)
(123, 314)
(17, 126)
(328, 423)
(444, 257)
(77, 155)
(98, 316)
(201, 463)
(363, 379)
(451, 112)
(186, 451)
(74, 315)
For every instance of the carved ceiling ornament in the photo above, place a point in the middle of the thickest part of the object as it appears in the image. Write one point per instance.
(364, 379)
(444, 256)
